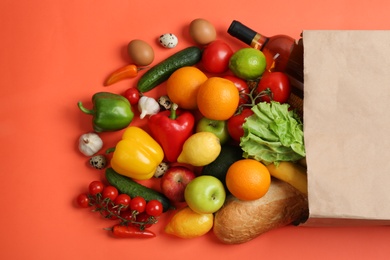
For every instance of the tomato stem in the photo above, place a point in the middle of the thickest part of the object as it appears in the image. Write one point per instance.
(253, 95)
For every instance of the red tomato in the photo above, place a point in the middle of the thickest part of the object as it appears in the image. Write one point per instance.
(123, 200)
(138, 204)
(128, 215)
(110, 192)
(143, 220)
(235, 124)
(110, 213)
(95, 187)
(132, 94)
(154, 208)
(215, 57)
(242, 87)
(82, 200)
(278, 84)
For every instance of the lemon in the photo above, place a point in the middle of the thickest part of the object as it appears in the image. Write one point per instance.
(248, 63)
(200, 149)
(186, 223)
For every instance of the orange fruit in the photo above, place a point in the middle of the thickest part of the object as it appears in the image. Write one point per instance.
(218, 98)
(248, 179)
(183, 86)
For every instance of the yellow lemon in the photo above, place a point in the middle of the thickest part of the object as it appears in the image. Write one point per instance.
(186, 223)
(200, 149)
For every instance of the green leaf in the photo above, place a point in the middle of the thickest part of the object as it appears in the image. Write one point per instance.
(273, 134)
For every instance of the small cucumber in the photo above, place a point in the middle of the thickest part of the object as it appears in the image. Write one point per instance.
(128, 186)
(161, 71)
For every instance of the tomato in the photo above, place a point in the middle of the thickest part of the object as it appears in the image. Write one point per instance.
(111, 213)
(127, 214)
(95, 187)
(235, 123)
(123, 200)
(154, 208)
(83, 200)
(215, 57)
(138, 204)
(132, 94)
(110, 192)
(242, 87)
(278, 84)
(143, 220)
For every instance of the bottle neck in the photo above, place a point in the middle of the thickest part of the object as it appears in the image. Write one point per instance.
(259, 41)
(281, 51)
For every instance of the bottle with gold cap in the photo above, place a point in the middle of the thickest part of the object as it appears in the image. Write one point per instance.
(283, 53)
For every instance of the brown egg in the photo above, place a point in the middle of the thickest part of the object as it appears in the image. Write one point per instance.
(202, 31)
(140, 52)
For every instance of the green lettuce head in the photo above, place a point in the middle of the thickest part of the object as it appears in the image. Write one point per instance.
(273, 134)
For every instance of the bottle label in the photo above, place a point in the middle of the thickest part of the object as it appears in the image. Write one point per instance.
(256, 42)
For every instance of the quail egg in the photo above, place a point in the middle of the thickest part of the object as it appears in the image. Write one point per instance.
(161, 169)
(168, 40)
(98, 161)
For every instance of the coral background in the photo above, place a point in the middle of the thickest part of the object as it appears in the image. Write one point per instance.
(55, 53)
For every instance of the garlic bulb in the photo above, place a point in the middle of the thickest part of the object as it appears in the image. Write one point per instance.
(148, 106)
(90, 143)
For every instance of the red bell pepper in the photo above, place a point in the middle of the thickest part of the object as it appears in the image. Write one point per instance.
(171, 128)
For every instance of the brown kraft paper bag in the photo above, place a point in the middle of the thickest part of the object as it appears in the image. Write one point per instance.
(347, 126)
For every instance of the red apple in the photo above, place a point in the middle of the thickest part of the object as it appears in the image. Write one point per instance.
(174, 182)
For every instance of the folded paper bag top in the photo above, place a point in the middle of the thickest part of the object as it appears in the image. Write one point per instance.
(346, 126)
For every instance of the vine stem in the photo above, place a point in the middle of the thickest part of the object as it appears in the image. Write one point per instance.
(253, 96)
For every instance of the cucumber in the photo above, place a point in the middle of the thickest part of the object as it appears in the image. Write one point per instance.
(161, 71)
(128, 186)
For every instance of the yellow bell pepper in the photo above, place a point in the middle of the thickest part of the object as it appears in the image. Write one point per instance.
(137, 155)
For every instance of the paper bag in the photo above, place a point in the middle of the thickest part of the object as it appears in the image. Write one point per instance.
(347, 126)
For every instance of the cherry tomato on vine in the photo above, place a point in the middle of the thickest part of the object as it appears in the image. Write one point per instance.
(242, 87)
(83, 200)
(235, 123)
(143, 218)
(123, 200)
(215, 56)
(154, 208)
(95, 187)
(127, 214)
(278, 84)
(132, 94)
(110, 192)
(138, 204)
(111, 213)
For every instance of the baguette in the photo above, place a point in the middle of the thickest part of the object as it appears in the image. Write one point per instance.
(241, 221)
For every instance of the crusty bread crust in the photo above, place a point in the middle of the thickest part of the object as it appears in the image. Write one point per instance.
(241, 221)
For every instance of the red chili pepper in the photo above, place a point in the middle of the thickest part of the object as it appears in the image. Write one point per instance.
(171, 129)
(124, 231)
(126, 72)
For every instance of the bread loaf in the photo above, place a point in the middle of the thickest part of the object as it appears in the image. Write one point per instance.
(241, 221)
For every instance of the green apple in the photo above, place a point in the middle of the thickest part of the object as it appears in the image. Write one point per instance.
(217, 127)
(205, 194)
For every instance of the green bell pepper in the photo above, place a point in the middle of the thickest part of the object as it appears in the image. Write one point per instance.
(111, 112)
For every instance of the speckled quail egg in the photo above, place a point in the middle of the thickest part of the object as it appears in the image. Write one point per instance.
(165, 102)
(168, 40)
(98, 161)
(161, 169)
